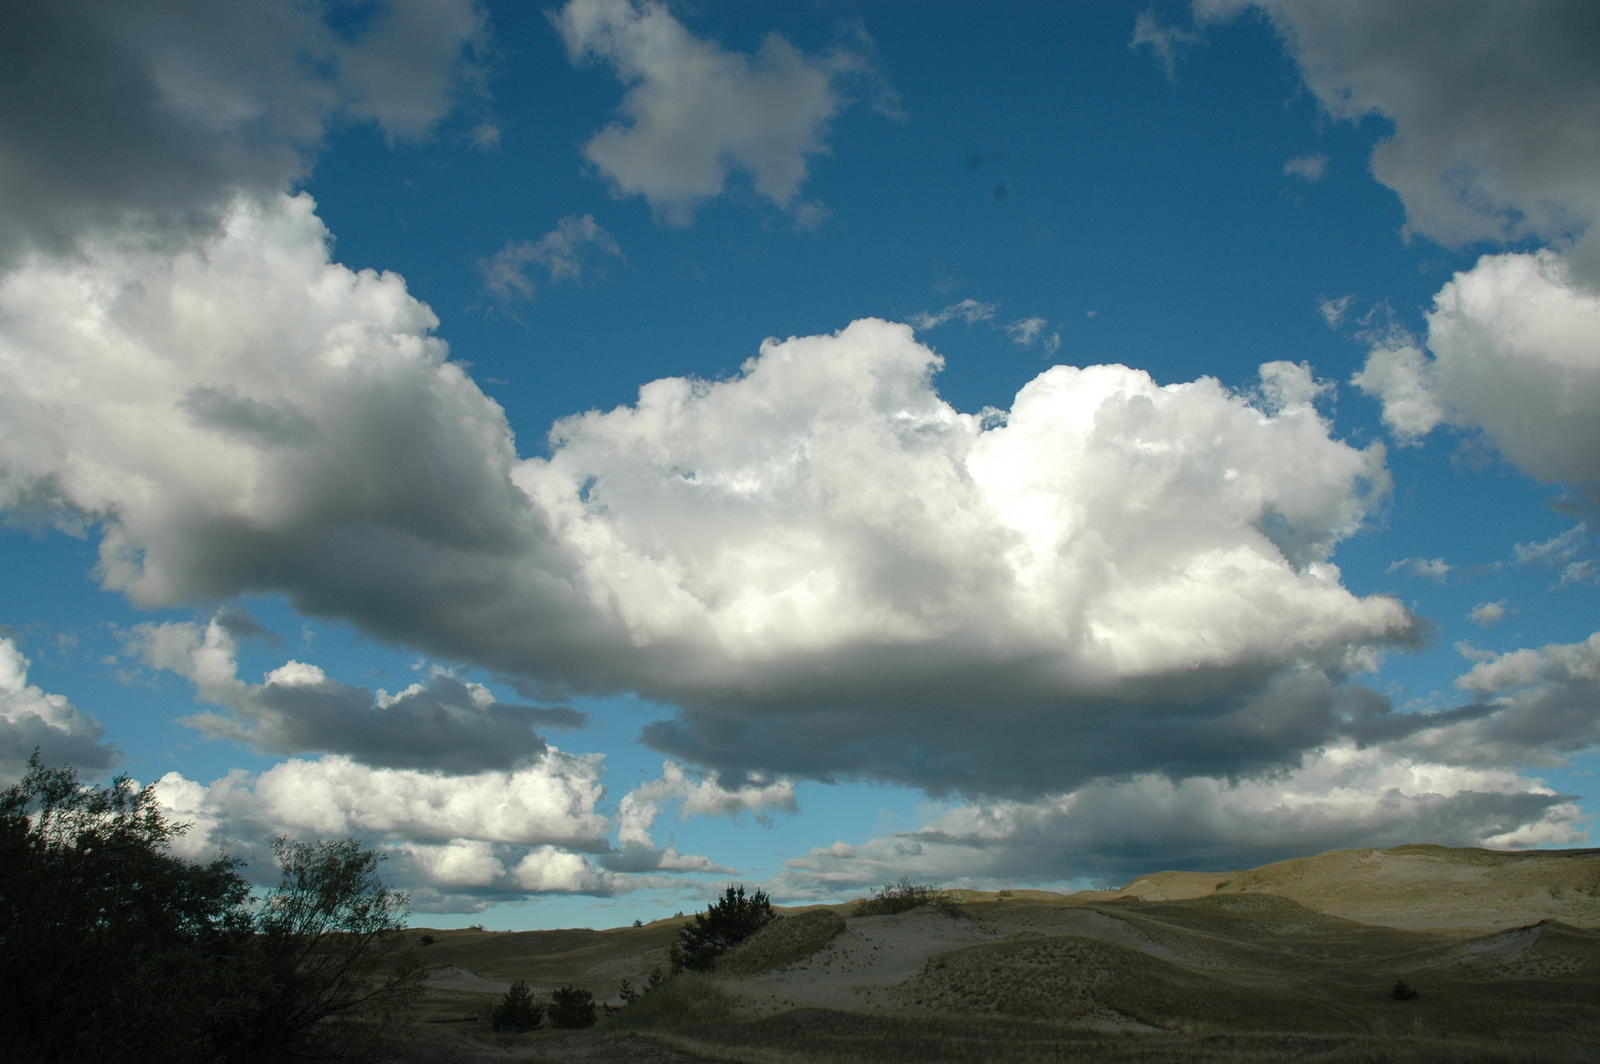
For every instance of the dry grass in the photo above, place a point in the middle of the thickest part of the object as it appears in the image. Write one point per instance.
(1222, 974)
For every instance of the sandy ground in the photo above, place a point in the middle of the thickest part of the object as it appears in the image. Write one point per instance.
(862, 964)
(866, 963)
(455, 977)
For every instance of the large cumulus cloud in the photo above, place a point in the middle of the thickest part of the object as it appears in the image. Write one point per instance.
(825, 565)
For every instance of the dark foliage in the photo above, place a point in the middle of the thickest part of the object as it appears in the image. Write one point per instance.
(517, 1011)
(572, 1006)
(726, 922)
(112, 949)
(326, 943)
(1403, 991)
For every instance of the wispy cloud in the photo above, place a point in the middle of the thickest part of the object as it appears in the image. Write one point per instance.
(563, 254)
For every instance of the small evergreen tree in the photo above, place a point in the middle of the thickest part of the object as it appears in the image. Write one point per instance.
(572, 1006)
(727, 922)
(517, 1011)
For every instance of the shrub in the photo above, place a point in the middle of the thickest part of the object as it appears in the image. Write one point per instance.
(726, 922)
(1403, 991)
(572, 1006)
(114, 950)
(687, 1000)
(904, 896)
(517, 1011)
(781, 942)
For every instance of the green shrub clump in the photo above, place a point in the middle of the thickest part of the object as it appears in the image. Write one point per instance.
(904, 896)
(727, 922)
(782, 942)
(572, 1006)
(517, 1011)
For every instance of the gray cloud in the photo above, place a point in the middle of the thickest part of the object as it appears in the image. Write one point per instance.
(1536, 707)
(824, 565)
(150, 119)
(1111, 831)
(441, 723)
(33, 719)
(564, 253)
(1493, 107)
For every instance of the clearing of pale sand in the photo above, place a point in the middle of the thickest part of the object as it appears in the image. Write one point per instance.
(863, 963)
(455, 977)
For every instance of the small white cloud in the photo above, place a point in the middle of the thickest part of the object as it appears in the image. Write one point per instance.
(485, 136)
(1401, 378)
(1026, 330)
(1485, 614)
(1435, 569)
(1557, 550)
(970, 311)
(1310, 168)
(699, 795)
(1513, 356)
(693, 111)
(1334, 308)
(1163, 40)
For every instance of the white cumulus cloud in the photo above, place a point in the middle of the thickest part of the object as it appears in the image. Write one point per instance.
(804, 557)
(693, 112)
(1513, 352)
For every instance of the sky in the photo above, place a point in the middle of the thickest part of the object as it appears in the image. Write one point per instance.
(594, 453)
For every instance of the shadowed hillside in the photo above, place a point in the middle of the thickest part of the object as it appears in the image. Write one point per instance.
(1417, 953)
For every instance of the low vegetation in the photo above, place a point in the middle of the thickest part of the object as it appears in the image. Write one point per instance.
(782, 942)
(517, 1011)
(724, 924)
(904, 896)
(572, 1007)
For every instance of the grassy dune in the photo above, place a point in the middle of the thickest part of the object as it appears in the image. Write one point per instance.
(1295, 960)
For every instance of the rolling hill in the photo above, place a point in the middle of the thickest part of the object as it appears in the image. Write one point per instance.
(1498, 955)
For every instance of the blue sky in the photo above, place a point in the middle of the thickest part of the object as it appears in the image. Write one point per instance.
(597, 452)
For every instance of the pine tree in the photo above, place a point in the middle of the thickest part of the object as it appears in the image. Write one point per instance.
(517, 1011)
(727, 922)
